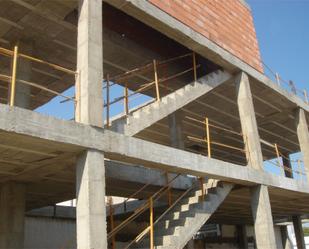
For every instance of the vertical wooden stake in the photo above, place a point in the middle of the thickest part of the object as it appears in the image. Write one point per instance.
(126, 99)
(306, 96)
(208, 137)
(278, 79)
(156, 79)
(194, 67)
(151, 223)
(13, 80)
(77, 97)
(111, 216)
(107, 101)
(278, 158)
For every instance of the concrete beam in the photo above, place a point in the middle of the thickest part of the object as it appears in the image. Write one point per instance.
(299, 233)
(248, 122)
(135, 151)
(303, 137)
(12, 215)
(89, 105)
(262, 216)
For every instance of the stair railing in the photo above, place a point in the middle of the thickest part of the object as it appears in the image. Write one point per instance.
(150, 228)
(138, 72)
(148, 205)
(13, 79)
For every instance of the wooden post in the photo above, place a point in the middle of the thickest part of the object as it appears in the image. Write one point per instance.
(278, 79)
(169, 193)
(194, 66)
(208, 137)
(126, 99)
(202, 187)
(306, 96)
(107, 101)
(13, 80)
(151, 223)
(299, 170)
(111, 216)
(156, 79)
(278, 158)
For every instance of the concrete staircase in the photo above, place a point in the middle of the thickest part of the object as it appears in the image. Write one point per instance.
(188, 216)
(148, 115)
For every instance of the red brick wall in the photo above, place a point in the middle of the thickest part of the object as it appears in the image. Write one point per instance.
(228, 23)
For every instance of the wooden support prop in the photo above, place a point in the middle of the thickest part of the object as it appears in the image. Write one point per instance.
(306, 96)
(107, 101)
(194, 66)
(156, 79)
(299, 170)
(13, 79)
(278, 158)
(202, 187)
(126, 99)
(278, 79)
(169, 192)
(151, 223)
(208, 137)
(112, 224)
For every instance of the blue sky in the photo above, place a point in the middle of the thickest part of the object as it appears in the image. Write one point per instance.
(283, 35)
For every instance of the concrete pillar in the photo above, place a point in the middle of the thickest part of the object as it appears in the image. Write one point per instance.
(303, 137)
(287, 164)
(175, 127)
(248, 121)
(90, 203)
(12, 215)
(299, 233)
(262, 216)
(286, 241)
(24, 70)
(89, 107)
(242, 236)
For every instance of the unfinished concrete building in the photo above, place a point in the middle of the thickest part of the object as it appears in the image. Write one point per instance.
(188, 155)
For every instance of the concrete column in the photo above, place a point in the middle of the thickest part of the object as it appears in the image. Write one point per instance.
(303, 137)
(242, 236)
(286, 242)
(175, 127)
(90, 204)
(262, 216)
(12, 215)
(89, 107)
(24, 70)
(287, 163)
(248, 121)
(299, 233)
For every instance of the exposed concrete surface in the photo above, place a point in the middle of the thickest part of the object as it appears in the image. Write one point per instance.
(263, 220)
(286, 241)
(90, 201)
(156, 111)
(136, 151)
(158, 19)
(89, 109)
(24, 69)
(299, 233)
(248, 122)
(12, 217)
(303, 137)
